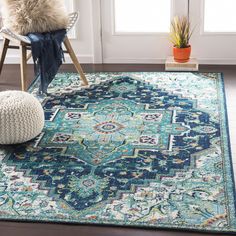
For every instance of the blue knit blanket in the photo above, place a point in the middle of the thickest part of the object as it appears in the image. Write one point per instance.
(47, 55)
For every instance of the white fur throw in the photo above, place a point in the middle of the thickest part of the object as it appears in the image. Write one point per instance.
(34, 16)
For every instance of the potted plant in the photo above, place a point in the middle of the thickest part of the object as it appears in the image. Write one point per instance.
(180, 35)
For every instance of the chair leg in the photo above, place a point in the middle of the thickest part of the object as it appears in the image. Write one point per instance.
(75, 60)
(23, 66)
(29, 56)
(5, 45)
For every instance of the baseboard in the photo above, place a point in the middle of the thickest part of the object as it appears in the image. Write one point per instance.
(82, 59)
(15, 59)
(134, 61)
(217, 61)
(203, 61)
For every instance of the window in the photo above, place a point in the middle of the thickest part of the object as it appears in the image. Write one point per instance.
(220, 16)
(142, 16)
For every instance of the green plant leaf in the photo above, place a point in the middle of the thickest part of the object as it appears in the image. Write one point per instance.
(181, 32)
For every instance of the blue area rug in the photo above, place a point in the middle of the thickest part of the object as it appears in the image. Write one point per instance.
(133, 149)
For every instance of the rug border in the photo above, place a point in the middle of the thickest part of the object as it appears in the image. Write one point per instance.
(228, 141)
(223, 106)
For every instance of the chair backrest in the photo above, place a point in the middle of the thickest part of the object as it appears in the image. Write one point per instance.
(73, 17)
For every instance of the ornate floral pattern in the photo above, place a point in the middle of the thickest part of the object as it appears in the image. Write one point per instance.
(138, 149)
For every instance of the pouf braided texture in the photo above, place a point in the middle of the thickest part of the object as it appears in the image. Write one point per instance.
(21, 117)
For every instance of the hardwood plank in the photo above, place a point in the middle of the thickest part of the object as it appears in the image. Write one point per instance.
(30, 229)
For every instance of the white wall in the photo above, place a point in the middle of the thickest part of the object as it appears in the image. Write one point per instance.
(87, 44)
(83, 44)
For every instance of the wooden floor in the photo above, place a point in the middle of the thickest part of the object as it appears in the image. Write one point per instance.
(10, 80)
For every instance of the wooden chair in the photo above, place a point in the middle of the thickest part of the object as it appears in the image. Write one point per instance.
(23, 43)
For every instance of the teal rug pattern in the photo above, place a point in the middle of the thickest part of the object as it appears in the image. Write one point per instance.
(133, 149)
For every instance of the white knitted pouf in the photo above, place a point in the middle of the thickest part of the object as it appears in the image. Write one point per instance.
(21, 117)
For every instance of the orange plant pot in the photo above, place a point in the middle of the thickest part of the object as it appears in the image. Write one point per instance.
(181, 54)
